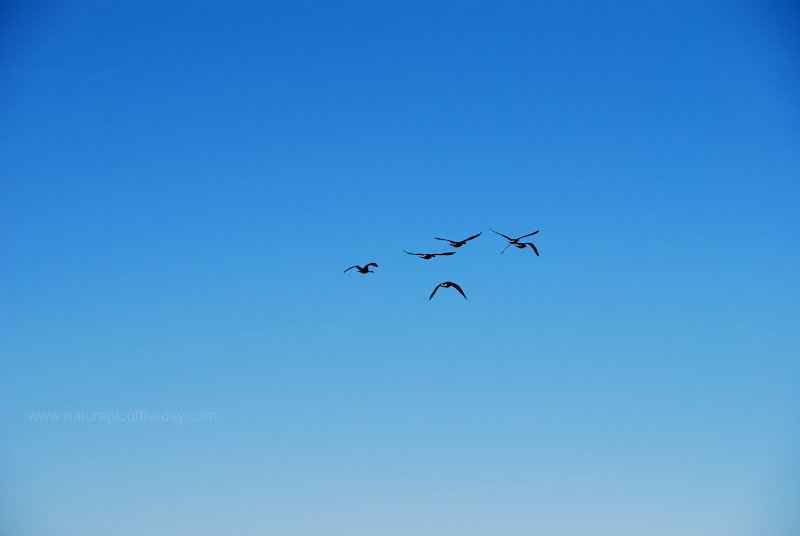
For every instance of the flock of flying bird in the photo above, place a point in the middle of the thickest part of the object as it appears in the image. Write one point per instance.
(456, 244)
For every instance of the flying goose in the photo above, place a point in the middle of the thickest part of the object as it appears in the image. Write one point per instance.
(447, 284)
(515, 241)
(427, 256)
(365, 269)
(521, 245)
(458, 243)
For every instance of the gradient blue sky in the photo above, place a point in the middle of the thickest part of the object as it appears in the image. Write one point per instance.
(184, 182)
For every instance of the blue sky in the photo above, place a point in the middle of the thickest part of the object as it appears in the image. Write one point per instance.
(183, 185)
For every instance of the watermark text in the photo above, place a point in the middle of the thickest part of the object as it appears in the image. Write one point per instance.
(131, 416)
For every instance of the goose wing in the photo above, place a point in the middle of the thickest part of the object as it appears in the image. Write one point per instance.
(445, 253)
(527, 235)
(434, 291)
(358, 267)
(445, 239)
(455, 286)
(375, 264)
(501, 234)
(404, 251)
(533, 248)
(471, 237)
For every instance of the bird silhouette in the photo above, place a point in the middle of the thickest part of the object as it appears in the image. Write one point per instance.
(515, 241)
(458, 243)
(447, 284)
(364, 269)
(427, 256)
(521, 245)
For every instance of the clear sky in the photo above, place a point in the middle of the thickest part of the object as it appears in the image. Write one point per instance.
(183, 184)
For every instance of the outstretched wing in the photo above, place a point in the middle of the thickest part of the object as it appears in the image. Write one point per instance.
(445, 239)
(445, 253)
(353, 267)
(527, 235)
(501, 234)
(404, 251)
(471, 237)
(505, 248)
(434, 291)
(455, 286)
(375, 264)
(533, 247)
